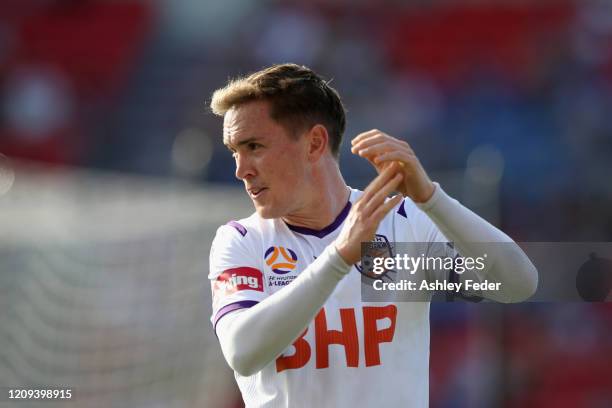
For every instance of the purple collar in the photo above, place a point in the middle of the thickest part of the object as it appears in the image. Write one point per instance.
(327, 230)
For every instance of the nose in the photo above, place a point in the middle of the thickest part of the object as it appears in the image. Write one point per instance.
(244, 167)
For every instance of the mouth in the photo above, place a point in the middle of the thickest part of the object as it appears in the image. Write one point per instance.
(256, 192)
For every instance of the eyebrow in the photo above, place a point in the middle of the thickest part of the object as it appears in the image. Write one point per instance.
(243, 142)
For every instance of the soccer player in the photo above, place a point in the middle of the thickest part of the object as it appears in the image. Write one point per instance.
(287, 305)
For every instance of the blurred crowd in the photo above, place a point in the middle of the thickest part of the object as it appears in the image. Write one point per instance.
(124, 86)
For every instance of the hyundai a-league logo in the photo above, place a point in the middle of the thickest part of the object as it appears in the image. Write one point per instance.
(282, 260)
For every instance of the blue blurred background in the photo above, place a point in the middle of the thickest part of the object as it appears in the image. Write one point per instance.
(506, 100)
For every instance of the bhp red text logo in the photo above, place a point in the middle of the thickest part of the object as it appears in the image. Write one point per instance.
(347, 337)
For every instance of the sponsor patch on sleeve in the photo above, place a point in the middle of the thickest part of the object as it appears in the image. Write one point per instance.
(237, 279)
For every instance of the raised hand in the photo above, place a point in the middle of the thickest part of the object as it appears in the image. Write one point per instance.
(380, 150)
(365, 215)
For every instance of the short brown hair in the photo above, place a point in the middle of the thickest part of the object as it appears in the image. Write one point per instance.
(299, 99)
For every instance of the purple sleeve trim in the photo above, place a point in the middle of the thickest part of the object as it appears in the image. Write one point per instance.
(239, 227)
(243, 304)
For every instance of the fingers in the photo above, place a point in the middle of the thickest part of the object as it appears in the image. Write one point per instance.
(384, 209)
(361, 144)
(378, 148)
(380, 180)
(364, 135)
(394, 156)
(366, 140)
(380, 188)
(379, 197)
(371, 140)
(367, 213)
(374, 150)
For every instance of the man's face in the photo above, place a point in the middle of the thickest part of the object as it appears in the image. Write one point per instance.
(272, 165)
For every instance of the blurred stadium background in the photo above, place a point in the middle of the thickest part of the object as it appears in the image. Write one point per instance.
(113, 179)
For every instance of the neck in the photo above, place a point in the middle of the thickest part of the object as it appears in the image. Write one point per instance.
(327, 198)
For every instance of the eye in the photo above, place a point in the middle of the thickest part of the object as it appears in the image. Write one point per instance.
(254, 146)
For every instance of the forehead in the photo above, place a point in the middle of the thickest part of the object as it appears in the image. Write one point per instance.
(249, 120)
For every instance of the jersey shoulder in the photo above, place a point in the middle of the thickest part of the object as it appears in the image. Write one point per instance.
(235, 243)
(245, 226)
(239, 243)
(244, 229)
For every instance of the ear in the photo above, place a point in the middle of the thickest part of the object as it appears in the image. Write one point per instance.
(317, 138)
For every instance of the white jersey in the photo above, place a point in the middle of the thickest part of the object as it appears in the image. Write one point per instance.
(353, 353)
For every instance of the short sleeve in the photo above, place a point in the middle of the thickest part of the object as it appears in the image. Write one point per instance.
(236, 276)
